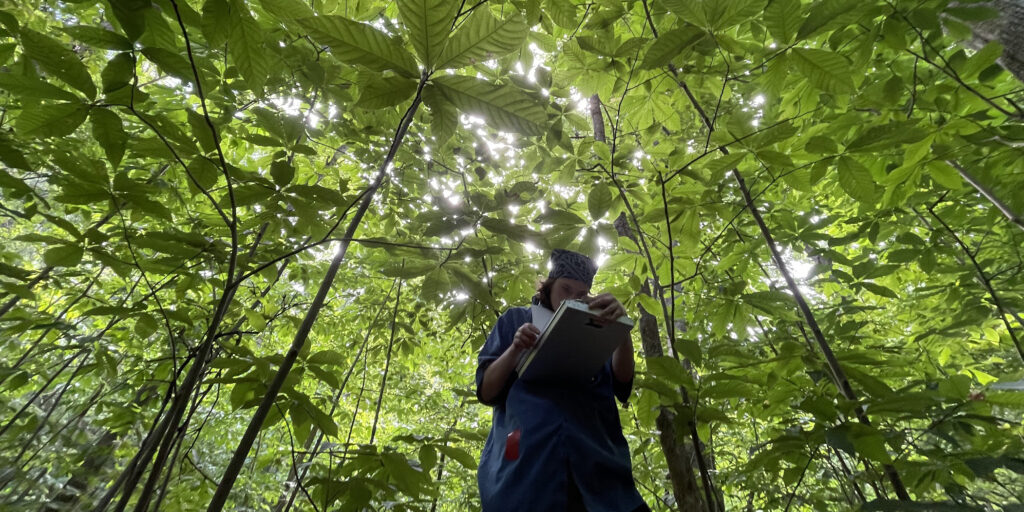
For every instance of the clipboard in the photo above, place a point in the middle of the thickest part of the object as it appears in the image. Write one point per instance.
(573, 345)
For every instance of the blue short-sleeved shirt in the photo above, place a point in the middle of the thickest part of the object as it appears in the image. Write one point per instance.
(562, 429)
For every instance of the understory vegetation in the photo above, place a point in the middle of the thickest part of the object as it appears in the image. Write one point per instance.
(252, 248)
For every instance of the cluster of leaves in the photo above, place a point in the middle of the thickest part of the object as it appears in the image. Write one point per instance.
(178, 173)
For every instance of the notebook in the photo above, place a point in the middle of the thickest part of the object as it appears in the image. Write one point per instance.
(572, 346)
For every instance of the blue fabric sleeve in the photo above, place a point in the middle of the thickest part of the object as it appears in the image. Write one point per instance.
(497, 343)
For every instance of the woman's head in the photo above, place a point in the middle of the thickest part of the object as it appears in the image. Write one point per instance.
(553, 290)
(570, 277)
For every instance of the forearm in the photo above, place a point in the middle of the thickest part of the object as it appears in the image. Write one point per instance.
(622, 362)
(497, 374)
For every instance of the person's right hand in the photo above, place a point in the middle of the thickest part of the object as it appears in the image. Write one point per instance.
(526, 337)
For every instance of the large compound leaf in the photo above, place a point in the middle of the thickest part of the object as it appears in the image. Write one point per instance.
(825, 70)
(504, 107)
(428, 22)
(358, 43)
(483, 37)
(57, 60)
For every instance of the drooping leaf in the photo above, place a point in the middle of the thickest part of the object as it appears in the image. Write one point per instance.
(599, 201)
(245, 45)
(108, 130)
(117, 73)
(217, 20)
(58, 60)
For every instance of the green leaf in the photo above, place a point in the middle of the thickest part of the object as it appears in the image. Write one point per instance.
(28, 87)
(667, 369)
(358, 43)
(201, 130)
(825, 13)
(887, 135)
(981, 59)
(117, 73)
(217, 17)
(503, 107)
(63, 256)
(461, 456)
(329, 357)
(55, 120)
(109, 132)
(782, 18)
(435, 284)
(444, 117)
(669, 44)
(723, 164)
(287, 9)
(171, 63)
(245, 45)
(428, 23)
(825, 70)
(381, 92)
(878, 289)
(599, 201)
(98, 37)
(945, 175)
(58, 60)
(563, 13)
(282, 172)
(13, 157)
(406, 478)
(856, 180)
(482, 37)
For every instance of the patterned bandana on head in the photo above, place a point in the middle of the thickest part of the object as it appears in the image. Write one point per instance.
(572, 265)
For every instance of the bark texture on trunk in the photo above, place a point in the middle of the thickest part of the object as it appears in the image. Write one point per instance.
(1007, 29)
(678, 454)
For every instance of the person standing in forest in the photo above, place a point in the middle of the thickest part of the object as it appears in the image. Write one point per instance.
(554, 448)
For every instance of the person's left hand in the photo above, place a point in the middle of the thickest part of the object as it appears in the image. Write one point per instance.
(610, 307)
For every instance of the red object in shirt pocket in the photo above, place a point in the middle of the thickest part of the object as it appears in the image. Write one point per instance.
(512, 445)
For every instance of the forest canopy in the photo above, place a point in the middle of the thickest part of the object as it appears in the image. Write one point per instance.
(251, 249)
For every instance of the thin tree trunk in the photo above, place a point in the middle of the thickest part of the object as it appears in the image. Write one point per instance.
(387, 362)
(284, 502)
(838, 374)
(238, 459)
(678, 455)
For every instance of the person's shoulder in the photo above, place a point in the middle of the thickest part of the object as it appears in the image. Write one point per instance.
(514, 314)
